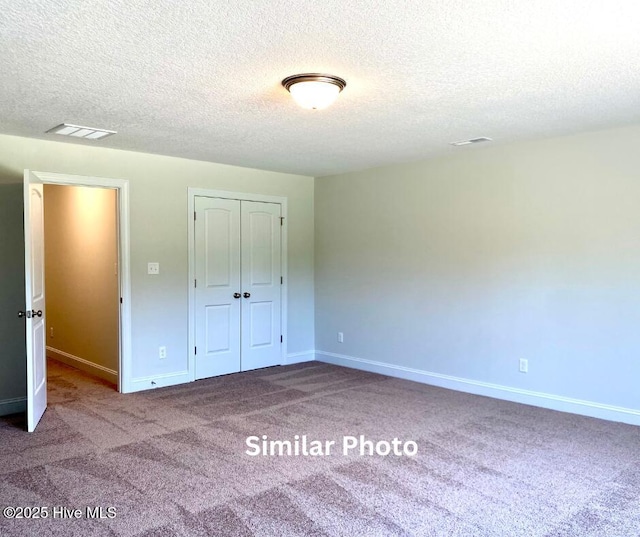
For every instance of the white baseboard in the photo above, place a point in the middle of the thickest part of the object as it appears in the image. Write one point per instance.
(13, 406)
(158, 381)
(497, 391)
(182, 377)
(299, 357)
(84, 365)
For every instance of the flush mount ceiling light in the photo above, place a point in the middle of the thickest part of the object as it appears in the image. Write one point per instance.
(76, 131)
(472, 141)
(314, 90)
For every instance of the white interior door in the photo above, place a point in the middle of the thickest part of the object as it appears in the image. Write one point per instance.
(261, 285)
(35, 299)
(217, 286)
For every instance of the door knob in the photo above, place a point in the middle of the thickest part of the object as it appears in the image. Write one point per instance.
(247, 295)
(21, 314)
(236, 295)
(35, 313)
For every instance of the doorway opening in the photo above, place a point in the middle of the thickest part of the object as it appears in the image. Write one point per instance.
(37, 327)
(82, 287)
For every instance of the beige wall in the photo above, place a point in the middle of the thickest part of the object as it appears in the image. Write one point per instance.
(158, 208)
(460, 266)
(82, 288)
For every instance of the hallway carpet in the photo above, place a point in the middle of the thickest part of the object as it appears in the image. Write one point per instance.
(173, 461)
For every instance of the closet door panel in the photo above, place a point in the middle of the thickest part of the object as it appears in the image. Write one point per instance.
(217, 260)
(261, 285)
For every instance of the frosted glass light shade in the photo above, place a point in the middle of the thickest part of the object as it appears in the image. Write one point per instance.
(314, 91)
(314, 95)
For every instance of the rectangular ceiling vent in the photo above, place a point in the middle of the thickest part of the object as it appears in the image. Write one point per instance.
(472, 141)
(77, 131)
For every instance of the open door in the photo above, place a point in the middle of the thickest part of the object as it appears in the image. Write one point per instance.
(35, 305)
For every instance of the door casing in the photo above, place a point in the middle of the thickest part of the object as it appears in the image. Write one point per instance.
(122, 188)
(241, 196)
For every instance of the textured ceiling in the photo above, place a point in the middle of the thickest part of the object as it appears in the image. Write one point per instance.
(201, 79)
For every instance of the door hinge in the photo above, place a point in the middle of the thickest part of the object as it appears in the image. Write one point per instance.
(195, 283)
(281, 280)
(194, 215)
(282, 220)
(280, 339)
(195, 350)
(120, 300)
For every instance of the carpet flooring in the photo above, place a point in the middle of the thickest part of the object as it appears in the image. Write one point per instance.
(173, 461)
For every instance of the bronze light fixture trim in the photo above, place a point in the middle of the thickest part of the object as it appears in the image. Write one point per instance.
(314, 90)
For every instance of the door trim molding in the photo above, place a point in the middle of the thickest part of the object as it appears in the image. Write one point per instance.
(122, 188)
(192, 193)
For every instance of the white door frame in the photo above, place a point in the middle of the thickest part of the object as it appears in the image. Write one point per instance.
(124, 267)
(241, 196)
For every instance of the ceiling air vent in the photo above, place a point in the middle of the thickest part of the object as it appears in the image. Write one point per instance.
(472, 141)
(77, 131)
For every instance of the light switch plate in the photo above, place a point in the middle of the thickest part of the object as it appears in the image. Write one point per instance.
(153, 268)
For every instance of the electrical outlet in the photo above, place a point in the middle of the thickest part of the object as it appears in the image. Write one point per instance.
(340, 337)
(162, 353)
(153, 268)
(524, 365)
(51, 332)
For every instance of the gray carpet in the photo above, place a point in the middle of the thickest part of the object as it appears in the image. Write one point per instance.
(172, 461)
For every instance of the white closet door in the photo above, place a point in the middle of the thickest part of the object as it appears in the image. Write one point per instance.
(217, 292)
(261, 285)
